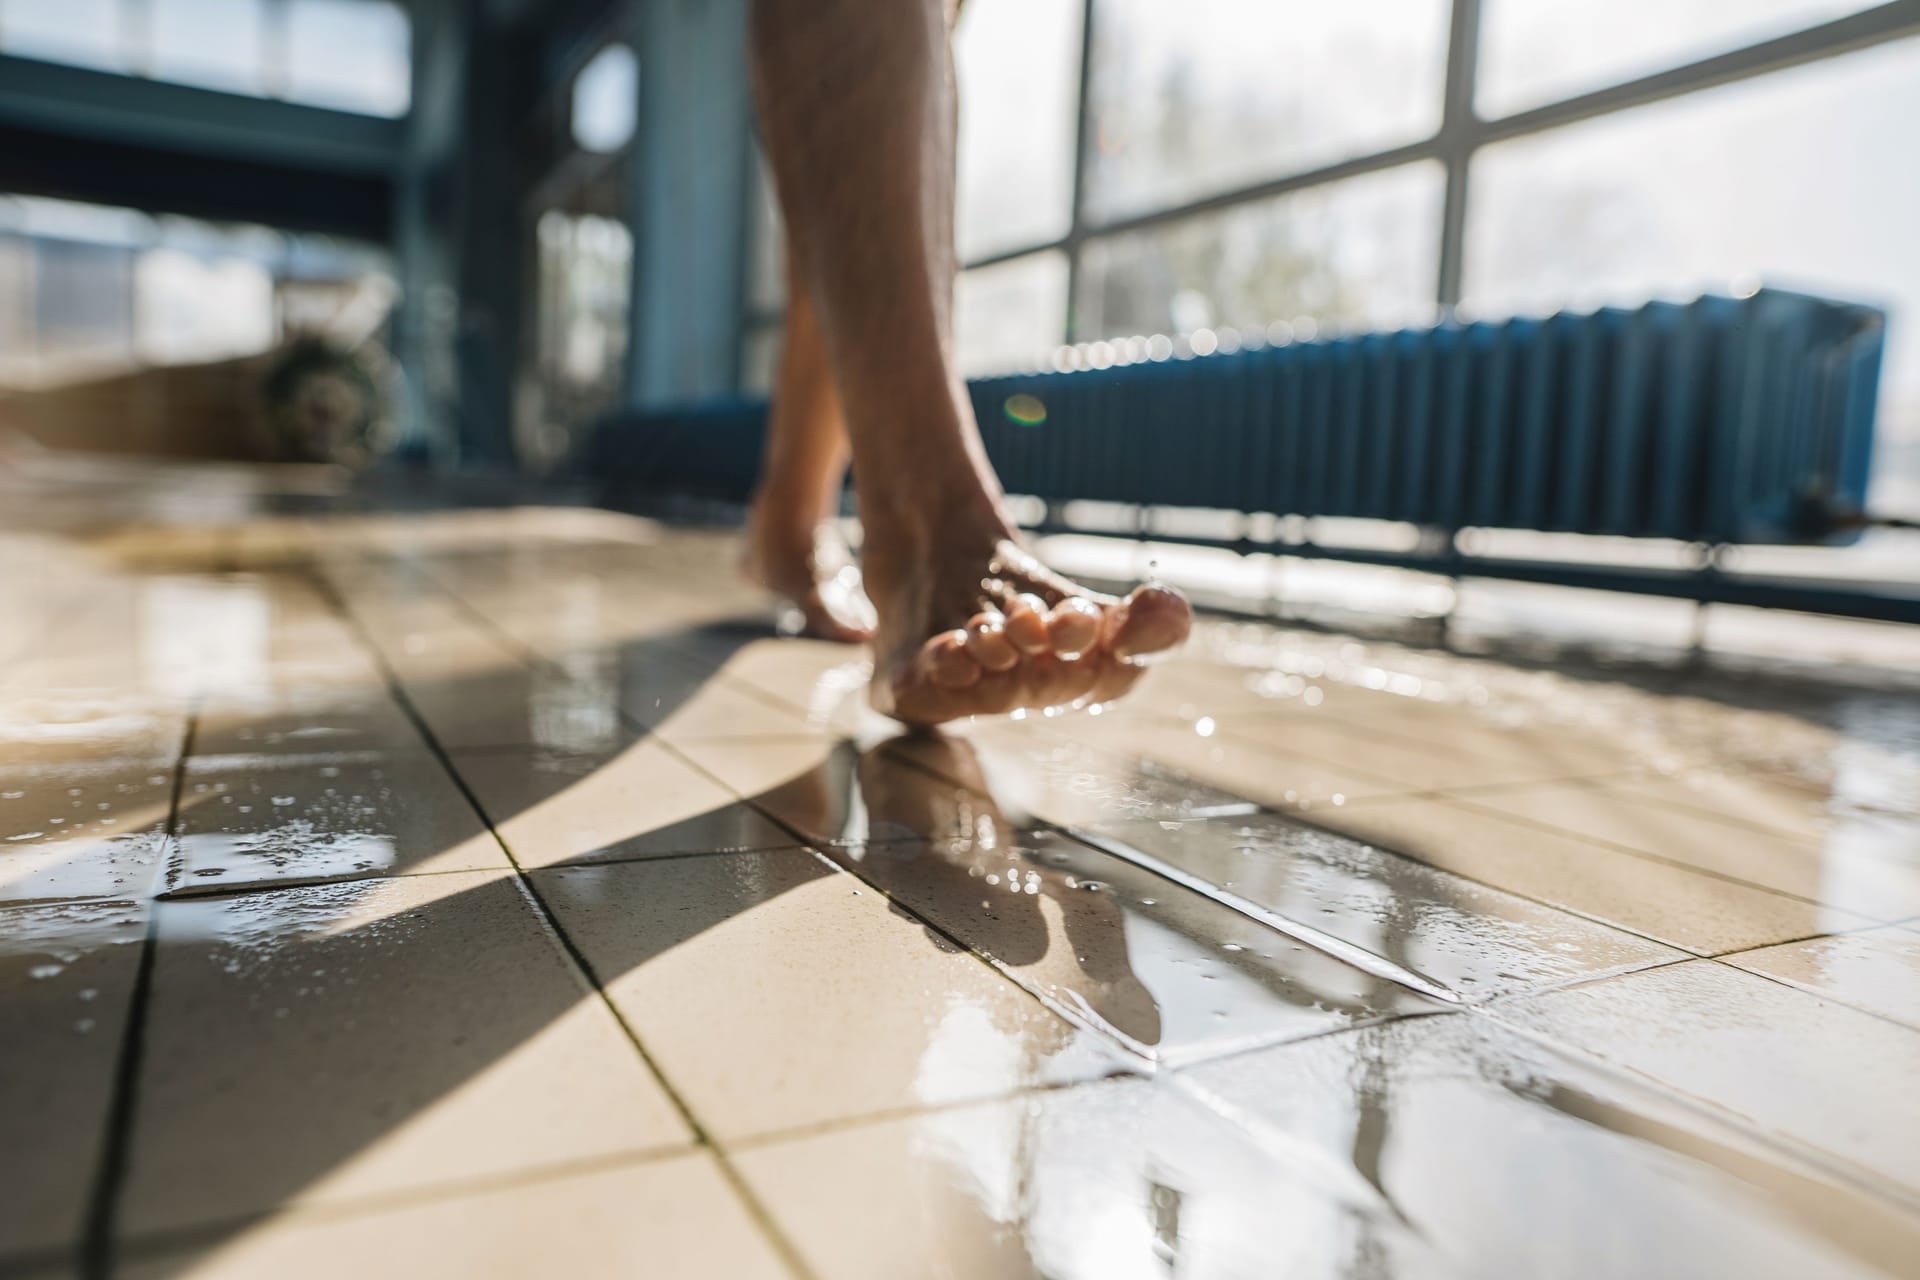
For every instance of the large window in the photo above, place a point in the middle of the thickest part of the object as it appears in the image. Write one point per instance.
(87, 291)
(351, 55)
(1240, 166)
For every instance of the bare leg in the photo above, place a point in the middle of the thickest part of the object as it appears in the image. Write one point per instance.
(856, 108)
(792, 548)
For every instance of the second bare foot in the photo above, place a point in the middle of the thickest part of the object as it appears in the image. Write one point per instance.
(807, 565)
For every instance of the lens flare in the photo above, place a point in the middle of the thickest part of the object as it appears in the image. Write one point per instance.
(1026, 410)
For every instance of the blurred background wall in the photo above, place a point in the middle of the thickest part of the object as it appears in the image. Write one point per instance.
(512, 218)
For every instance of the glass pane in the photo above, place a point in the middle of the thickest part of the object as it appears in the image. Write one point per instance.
(1793, 179)
(83, 307)
(351, 54)
(84, 33)
(1358, 253)
(606, 99)
(188, 308)
(1009, 314)
(1207, 95)
(215, 43)
(17, 337)
(1018, 63)
(1538, 51)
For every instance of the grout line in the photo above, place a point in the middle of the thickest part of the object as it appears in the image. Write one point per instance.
(97, 1244)
(1833, 1165)
(762, 1216)
(893, 1115)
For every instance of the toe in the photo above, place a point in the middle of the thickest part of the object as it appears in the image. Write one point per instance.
(1074, 626)
(987, 641)
(1027, 624)
(1150, 620)
(947, 663)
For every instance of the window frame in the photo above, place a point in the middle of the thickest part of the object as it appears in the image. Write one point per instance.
(1463, 132)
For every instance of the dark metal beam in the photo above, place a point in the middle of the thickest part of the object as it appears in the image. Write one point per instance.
(73, 102)
(221, 188)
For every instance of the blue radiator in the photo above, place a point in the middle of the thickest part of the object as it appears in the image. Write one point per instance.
(1720, 420)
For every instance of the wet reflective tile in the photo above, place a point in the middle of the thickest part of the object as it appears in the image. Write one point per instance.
(1251, 770)
(1476, 758)
(674, 1219)
(73, 726)
(1100, 1182)
(1031, 772)
(327, 1044)
(1472, 941)
(810, 782)
(307, 721)
(83, 830)
(1621, 815)
(520, 706)
(66, 974)
(711, 708)
(1679, 906)
(776, 993)
(1169, 973)
(1511, 1159)
(1876, 969)
(645, 801)
(258, 819)
(1831, 1079)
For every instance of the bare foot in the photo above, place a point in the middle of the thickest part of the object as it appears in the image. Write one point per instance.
(971, 623)
(807, 564)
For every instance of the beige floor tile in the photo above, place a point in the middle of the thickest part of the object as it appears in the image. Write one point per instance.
(332, 1043)
(551, 808)
(1100, 1181)
(69, 727)
(66, 975)
(1172, 974)
(1681, 907)
(520, 706)
(713, 708)
(674, 1219)
(810, 782)
(263, 819)
(1510, 1159)
(1829, 1078)
(825, 682)
(1875, 969)
(1823, 812)
(775, 993)
(305, 721)
(1031, 771)
(1621, 815)
(83, 830)
(1458, 757)
(1253, 770)
(1471, 940)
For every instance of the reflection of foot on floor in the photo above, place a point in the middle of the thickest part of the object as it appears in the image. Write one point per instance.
(956, 858)
(807, 565)
(971, 623)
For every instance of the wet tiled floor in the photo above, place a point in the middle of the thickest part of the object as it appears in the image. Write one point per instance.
(492, 893)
